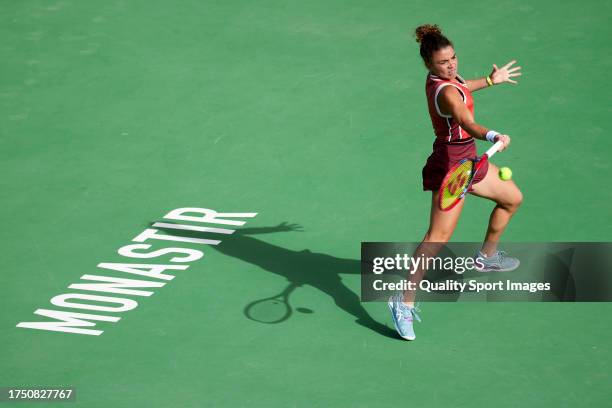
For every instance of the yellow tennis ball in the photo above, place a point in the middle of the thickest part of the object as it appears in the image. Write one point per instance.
(505, 173)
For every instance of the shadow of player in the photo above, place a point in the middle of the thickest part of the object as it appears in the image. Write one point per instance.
(320, 271)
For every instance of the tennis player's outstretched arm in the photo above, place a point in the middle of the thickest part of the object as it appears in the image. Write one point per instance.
(451, 103)
(497, 76)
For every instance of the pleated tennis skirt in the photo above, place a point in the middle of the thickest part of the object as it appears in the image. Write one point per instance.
(444, 157)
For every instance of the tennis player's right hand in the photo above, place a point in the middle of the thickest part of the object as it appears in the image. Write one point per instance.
(505, 139)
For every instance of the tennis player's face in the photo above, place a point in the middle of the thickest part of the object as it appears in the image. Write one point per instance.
(444, 63)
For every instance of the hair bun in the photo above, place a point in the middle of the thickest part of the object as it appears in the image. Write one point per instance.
(426, 30)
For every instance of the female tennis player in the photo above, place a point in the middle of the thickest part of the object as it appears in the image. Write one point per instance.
(451, 107)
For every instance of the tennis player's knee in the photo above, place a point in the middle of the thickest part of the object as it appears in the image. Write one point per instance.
(518, 199)
(513, 202)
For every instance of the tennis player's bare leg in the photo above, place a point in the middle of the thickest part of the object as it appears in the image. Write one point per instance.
(441, 227)
(508, 198)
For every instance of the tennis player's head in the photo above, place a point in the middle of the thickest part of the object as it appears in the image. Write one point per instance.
(437, 51)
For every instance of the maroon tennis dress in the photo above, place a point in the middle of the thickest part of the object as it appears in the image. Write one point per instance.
(452, 142)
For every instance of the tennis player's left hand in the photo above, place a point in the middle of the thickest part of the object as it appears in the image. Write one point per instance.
(505, 73)
(284, 226)
(505, 139)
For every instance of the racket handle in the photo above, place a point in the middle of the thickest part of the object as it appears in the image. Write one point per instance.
(493, 149)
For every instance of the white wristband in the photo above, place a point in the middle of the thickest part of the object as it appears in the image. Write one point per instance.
(491, 135)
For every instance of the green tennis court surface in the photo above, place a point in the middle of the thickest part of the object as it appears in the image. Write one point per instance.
(112, 114)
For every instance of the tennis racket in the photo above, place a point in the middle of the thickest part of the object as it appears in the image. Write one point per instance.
(458, 180)
(274, 309)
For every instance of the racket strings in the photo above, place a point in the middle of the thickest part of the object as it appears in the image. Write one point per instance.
(456, 183)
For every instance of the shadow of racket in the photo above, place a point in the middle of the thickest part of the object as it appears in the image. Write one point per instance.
(274, 309)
